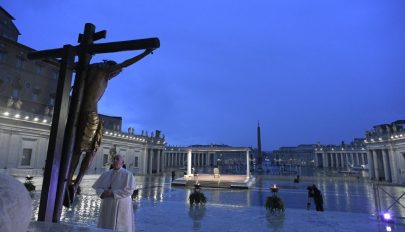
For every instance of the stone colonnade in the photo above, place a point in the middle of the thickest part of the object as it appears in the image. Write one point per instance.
(340, 159)
(386, 165)
(154, 160)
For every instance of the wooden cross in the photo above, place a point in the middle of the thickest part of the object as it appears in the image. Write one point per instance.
(64, 123)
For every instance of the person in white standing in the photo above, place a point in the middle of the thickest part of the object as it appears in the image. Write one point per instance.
(115, 188)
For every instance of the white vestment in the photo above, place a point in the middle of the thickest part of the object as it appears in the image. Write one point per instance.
(116, 212)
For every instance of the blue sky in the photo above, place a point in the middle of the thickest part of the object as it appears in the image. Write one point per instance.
(310, 71)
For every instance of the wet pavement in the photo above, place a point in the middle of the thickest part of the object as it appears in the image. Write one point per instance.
(349, 206)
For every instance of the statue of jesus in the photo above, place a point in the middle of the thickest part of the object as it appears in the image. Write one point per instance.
(89, 131)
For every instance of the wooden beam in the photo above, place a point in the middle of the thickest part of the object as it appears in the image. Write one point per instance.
(46, 54)
(129, 45)
(56, 137)
(73, 118)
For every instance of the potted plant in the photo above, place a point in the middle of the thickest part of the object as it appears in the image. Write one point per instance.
(197, 197)
(29, 184)
(274, 203)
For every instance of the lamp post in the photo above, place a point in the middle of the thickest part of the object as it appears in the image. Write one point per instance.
(274, 189)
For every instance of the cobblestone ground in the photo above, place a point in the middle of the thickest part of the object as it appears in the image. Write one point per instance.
(349, 207)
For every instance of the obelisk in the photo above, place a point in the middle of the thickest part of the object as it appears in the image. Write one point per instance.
(259, 149)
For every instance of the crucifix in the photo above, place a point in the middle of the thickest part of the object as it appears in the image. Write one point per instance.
(76, 127)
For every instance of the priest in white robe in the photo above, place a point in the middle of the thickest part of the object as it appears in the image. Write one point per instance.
(115, 188)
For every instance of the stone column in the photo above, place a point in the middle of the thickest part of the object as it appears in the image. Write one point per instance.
(172, 159)
(394, 165)
(247, 164)
(325, 159)
(370, 164)
(145, 161)
(159, 156)
(189, 162)
(342, 163)
(362, 158)
(335, 163)
(150, 160)
(336, 160)
(353, 157)
(316, 160)
(331, 159)
(162, 155)
(164, 161)
(168, 159)
(345, 160)
(387, 171)
(375, 162)
(357, 158)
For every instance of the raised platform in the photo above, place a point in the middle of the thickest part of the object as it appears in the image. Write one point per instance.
(224, 181)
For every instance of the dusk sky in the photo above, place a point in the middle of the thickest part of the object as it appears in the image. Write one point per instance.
(311, 71)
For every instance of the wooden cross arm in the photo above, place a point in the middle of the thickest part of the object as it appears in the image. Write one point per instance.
(139, 44)
(47, 54)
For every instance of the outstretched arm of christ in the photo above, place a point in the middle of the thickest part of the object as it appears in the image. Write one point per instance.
(130, 61)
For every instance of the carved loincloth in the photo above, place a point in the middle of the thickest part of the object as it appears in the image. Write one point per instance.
(91, 131)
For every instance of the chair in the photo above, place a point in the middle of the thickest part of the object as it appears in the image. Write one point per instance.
(216, 173)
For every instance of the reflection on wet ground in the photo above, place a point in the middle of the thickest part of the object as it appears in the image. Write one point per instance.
(354, 196)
